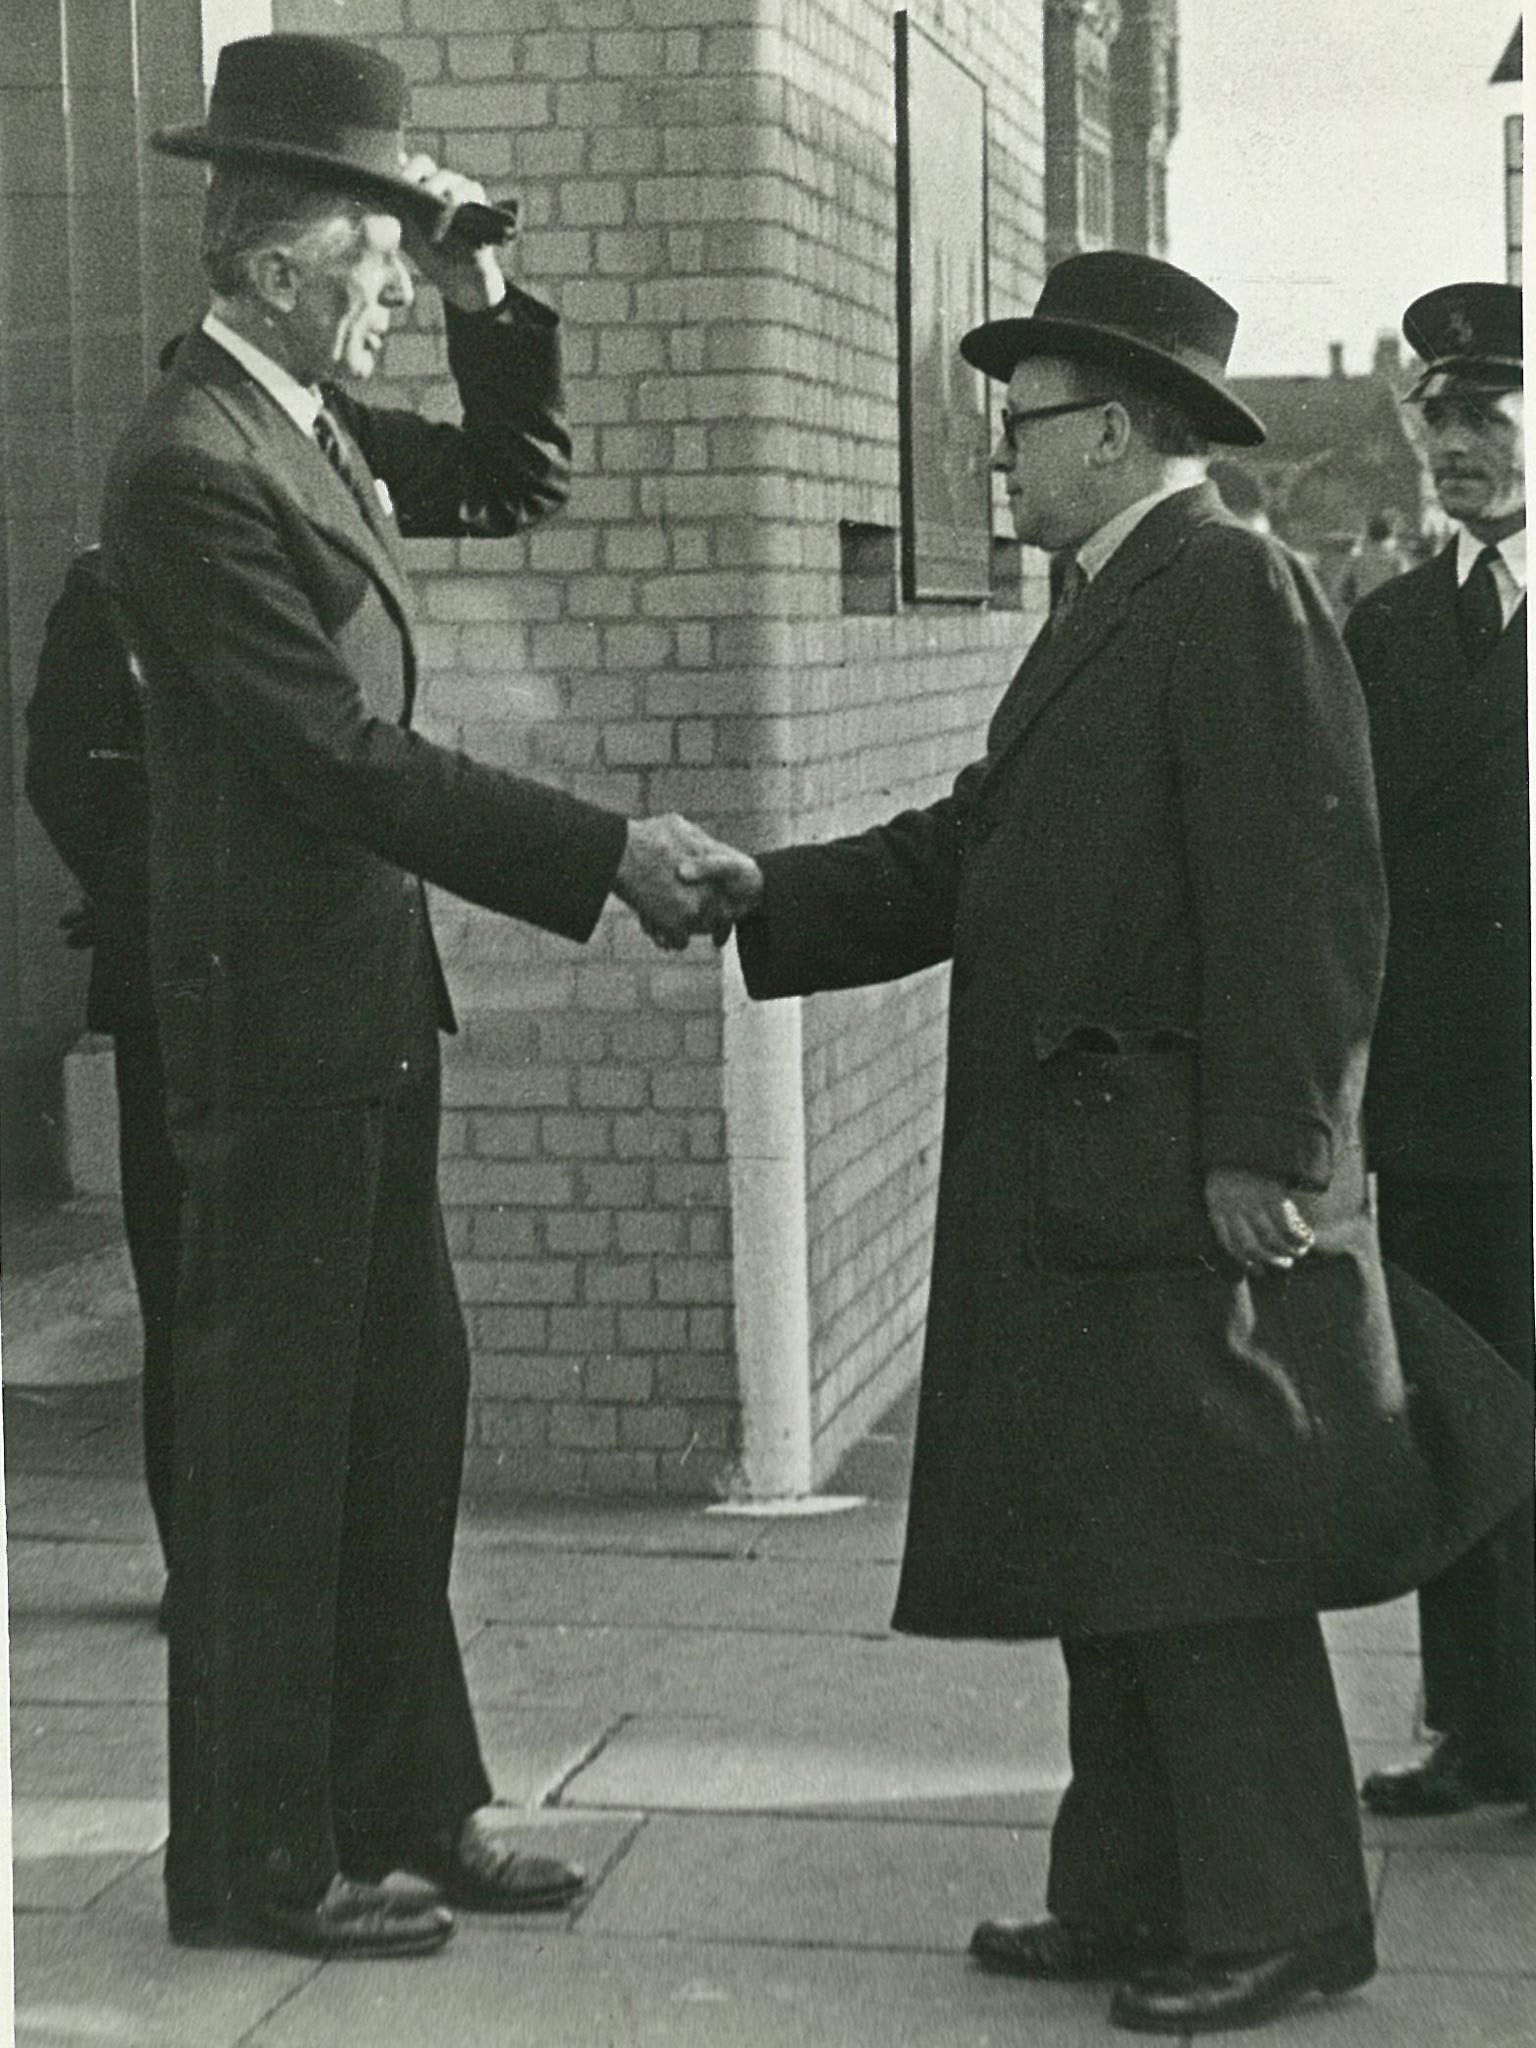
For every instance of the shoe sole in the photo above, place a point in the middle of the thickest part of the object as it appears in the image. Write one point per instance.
(1332, 1983)
(492, 1901)
(235, 1934)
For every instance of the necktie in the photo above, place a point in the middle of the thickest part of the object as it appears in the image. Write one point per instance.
(1479, 608)
(1071, 581)
(333, 447)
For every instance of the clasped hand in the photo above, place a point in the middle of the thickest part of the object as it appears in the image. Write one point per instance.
(681, 883)
(1256, 1219)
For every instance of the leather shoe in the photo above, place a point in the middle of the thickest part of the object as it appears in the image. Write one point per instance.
(352, 1920)
(1051, 1949)
(1448, 1780)
(1207, 1995)
(482, 1873)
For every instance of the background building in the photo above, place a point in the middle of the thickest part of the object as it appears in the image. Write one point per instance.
(1338, 455)
(692, 1236)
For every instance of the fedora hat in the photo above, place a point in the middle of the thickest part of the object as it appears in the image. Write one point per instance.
(330, 112)
(1166, 329)
(1471, 332)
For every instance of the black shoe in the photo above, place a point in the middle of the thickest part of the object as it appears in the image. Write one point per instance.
(352, 1920)
(1050, 1949)
(1448, 1780)
(1205, 1996)
(483, 1873)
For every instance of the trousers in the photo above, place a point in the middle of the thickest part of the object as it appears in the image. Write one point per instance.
(1212, 1802)
(319, 1717)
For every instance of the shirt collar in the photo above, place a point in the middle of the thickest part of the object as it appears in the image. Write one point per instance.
(301, 402)
(1096, 550)
(1511, 550)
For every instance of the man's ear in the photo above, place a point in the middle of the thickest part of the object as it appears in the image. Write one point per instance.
(1116, 434)
(274, 277)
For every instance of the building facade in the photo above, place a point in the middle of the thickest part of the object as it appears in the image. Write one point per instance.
(692, 1236)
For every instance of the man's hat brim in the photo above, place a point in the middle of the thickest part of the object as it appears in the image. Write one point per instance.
(480, 222)
(998, 347)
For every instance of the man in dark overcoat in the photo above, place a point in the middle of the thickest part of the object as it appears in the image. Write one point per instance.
(1442, 655)
(321, 1738)
(85, 780)
(1161, 1415)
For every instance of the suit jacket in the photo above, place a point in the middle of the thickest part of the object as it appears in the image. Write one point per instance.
(1162, 896)
(85, 779)
(1449, 1088)
(294, 813)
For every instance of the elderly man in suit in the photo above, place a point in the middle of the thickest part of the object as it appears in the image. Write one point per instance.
(321, 1739)
(1442, 654)
(1162, 1416)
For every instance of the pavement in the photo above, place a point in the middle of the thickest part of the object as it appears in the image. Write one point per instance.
(791, 1818)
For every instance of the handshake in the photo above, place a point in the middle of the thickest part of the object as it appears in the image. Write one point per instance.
(681, 883)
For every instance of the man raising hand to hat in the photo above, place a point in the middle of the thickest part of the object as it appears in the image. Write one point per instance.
(320, 1731)
(1161, 1417)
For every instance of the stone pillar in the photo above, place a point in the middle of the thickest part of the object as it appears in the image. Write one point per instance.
(1079, 35)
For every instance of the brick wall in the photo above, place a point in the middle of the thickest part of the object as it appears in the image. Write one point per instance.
(708, 187)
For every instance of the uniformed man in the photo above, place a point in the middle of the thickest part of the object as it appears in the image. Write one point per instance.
(1441, 652)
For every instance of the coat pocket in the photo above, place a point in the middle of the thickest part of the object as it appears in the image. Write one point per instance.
(1119, 1177)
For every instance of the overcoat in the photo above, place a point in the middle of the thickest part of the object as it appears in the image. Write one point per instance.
(1449, 1089)
(295, 813)
(1161, 892)
(85, 780)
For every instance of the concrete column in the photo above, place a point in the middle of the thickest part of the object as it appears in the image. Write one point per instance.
(765, 1142)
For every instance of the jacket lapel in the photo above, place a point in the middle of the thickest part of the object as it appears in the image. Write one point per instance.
(1063, 648)
(302, 467)
(1460, 711)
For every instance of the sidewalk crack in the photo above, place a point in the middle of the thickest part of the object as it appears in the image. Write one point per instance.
(588, 1756)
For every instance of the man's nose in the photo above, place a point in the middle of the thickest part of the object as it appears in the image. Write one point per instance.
(1001, 457)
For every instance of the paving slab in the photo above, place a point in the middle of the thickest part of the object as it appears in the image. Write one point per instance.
(112, 1581)
(1393, 1626)
(754, 1767)
(818, 1883)
(110, 1975)
(67, 1852)
(583, 1588)
(1460, 1911)
(1486, 1831)
(873, 1534)
(82, 1507)
(87, 1752)
(1378, 1692)
(1409, 2010)
(82, 1658)
(533, 1750)
(495, 1523)
(486, 1991)
(871, 1688)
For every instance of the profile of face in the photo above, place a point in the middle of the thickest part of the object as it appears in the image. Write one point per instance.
(1475, 444)
(348, 280)
(1047, 453)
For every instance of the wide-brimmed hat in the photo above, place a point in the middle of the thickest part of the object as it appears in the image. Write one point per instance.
(1166, 329)
(1471, 332)
(330, 112)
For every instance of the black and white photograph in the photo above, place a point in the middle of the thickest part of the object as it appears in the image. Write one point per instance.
(766, 1227)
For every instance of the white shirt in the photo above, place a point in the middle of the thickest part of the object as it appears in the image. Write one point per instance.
(1096, 550)
(301, 402)
(1508, 570)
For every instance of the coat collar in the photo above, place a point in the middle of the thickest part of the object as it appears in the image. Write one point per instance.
(1060, 650)
(297, 460)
